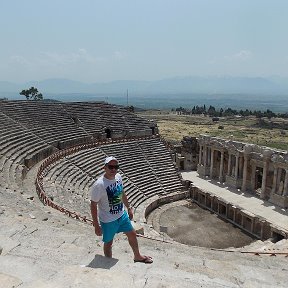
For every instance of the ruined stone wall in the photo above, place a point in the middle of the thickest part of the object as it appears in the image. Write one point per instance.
(262, 171)
(186, 155)
(247, 221)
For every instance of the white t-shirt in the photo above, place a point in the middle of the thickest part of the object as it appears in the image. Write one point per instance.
(108, 194)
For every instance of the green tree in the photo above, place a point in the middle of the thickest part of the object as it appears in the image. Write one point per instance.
(32, 94)
(221, 112)
(229, 112)
(211, 111)
(269, 114)
(193, 110)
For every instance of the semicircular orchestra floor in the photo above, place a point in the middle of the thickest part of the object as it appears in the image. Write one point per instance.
(187, 223)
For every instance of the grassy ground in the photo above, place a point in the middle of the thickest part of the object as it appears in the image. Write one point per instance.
(174, 127)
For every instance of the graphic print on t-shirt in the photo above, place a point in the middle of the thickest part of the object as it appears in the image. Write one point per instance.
(114, 193)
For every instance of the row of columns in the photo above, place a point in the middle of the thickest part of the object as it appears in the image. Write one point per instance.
(208, 160)
(277, 182)
(238, 164)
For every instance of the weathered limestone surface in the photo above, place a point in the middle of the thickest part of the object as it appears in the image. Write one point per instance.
(61, 252)
(41, 247)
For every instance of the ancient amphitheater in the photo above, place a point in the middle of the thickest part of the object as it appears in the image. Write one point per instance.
(52, 152)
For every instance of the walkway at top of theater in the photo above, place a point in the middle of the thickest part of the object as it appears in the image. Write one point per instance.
(256, 206)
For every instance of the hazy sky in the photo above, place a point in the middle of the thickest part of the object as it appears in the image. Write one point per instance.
(96, 41)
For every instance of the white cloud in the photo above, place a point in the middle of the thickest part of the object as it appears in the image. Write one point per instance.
(242, 55)
(57, 59)
(81, 55)
(19, 60)
(118, 55)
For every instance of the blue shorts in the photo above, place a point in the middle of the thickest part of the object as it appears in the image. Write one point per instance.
(123, 224)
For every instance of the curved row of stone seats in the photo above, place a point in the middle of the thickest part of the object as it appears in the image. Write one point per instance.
(49, 121)
(68, 124)
(62, 181)
(149, 157)
(61, 174)
(87, 117)
(91, 162)
(67, 175)
(60, 185)
(161, 162)
(90, 168)
(134, 122)
(33, 130)
(112, 116)
(134, 194)
(135, 166)
(67, 199)
(18, 149)
(101, 116)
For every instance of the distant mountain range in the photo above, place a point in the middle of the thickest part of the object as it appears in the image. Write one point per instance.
(212, 85)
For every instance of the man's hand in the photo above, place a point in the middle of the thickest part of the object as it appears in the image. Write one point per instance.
(97, 227)
(98, 230)
(130, 213)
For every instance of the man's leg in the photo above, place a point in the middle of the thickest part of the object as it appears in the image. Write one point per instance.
(127, 228)
(108, 249)
(132, 239)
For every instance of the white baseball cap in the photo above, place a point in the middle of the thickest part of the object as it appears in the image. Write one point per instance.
(110, 158)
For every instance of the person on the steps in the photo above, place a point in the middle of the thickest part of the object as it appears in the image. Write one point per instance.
(107, 202)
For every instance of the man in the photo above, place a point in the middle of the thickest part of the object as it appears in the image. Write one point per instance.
(107, 199)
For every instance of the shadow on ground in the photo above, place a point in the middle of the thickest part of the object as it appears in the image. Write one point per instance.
(102, 262)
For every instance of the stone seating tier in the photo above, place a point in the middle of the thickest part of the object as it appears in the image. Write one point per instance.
(75, 174)
(47, 121)
(103, 116)
(16, 146)
(58, 122)
(35, 125)
(89, 161)
(144, 177)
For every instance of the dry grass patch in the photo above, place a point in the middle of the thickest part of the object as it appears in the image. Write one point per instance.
(174, 127)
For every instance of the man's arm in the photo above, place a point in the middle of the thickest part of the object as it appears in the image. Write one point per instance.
(93, 208)
(126, 203)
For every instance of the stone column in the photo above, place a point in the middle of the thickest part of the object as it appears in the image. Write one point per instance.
(236, 167)
(252, 224)
(262, 230)
(209, 156)
(200, 154)
(211, 163)
(253, 177)
(285, 190)
(205, 156)
(234, 214)
(264, 177)
(278, 180)
(241, 167)
(221, 167)
(274, 185)
(227, 208)
(243, 188)
(229, 165)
